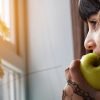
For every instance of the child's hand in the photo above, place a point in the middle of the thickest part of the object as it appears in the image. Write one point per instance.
(77, 88)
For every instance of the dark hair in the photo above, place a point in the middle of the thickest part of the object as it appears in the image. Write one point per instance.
(88, 8)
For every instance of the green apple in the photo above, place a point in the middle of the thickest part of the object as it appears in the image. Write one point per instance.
(90, 69)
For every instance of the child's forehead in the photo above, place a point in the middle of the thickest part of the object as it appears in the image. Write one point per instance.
(95, 16)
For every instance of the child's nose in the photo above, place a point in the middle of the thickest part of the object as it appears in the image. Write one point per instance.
(90, 45)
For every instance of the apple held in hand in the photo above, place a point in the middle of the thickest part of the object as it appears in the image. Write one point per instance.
(90, 68)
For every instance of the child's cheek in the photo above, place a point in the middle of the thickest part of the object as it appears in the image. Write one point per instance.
(97, 39)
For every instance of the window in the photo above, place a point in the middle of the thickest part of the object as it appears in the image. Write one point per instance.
(13, 49)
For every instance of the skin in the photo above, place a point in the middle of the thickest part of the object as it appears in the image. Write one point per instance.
(92, 42)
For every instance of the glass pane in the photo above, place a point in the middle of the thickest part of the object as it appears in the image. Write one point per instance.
(5, 17)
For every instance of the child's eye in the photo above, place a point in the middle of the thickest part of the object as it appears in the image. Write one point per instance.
(93, 23)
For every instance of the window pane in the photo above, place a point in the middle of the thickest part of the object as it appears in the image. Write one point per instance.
(5, 15)
(5, 11)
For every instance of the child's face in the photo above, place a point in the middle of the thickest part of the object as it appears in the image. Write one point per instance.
(92, 41)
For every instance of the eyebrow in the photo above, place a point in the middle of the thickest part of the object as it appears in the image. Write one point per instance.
(93, 18)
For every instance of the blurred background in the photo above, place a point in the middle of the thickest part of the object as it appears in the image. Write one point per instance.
(38, 40)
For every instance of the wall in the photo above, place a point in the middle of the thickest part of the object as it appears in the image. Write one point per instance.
(50, 47)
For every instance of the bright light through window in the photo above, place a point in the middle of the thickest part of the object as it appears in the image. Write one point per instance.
(5, 14)
(5, 11)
